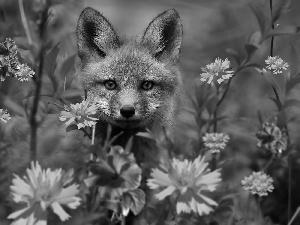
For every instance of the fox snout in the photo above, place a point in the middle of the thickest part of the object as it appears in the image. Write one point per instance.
(127, 111)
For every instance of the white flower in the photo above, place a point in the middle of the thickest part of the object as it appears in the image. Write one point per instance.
(40, 190)
(217, 69)
(215, 141)
(80, 114)
(276, 64)
(4, 115)
(188, 181)
(24, 73)
(258, 183)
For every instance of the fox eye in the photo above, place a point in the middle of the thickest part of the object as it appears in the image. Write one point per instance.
(147, 85)
(110, 84)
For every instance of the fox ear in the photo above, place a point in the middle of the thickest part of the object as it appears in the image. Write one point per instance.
(163, 35)
(95, 35)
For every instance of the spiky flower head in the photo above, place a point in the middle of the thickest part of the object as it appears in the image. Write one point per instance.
(218, 69)
(9, 63)
(8, 47)
(276, 64)
(82, 114)
(24, 73)
(4, 115)
(40, 190)
(188, 181)
(215, 141)
(271, 138)
(258, 183)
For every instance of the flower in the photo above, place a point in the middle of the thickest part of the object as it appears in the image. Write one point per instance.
(8, 47)
(115, 175)
(215, 141)
(276, 64)
(216, 69)
(42, 189)
(9, 63)
(80, 114)
(271, 138)
(24, 73)
(258, 183)
(188, 181)
(4, 115)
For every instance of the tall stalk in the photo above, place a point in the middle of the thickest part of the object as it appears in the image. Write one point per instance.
(277, 97)
(39, 58)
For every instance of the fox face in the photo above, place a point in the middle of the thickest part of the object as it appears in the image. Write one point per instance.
(134, 81)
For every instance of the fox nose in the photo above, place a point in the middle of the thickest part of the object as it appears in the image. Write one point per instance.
(127, 111)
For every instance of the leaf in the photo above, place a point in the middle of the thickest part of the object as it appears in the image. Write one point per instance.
(254, 41)
(294, 60)
(291, 103)
(71, 127)
(50, 66)
(67, 70)
(293, 82)
(234, 54)
(133, 200)
(260, 16)
(129, 144)
(284, 30)
(277, 81)
(10, 105)
(280, 7)
(145, 135)
(72, 93)
(260, 117)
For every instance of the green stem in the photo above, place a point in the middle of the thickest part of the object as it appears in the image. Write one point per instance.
(289, 187)
(38, 83)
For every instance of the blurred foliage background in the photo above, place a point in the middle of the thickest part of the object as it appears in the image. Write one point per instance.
(210, 28)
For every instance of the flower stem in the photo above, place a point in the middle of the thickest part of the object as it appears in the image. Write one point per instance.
(294, 216)
(277, 97)
(272, 39)
(289, 186)
(123, 221)
(38, 83)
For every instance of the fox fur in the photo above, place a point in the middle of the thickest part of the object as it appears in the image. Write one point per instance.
(128, 64)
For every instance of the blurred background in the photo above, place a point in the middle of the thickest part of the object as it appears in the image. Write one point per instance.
(211, 27)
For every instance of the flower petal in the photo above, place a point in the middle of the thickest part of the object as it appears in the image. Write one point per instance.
(57, 209)
(182, 207)
(160, 179)
(166, 192)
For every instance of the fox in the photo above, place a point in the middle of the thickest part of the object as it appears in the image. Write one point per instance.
(135, 81)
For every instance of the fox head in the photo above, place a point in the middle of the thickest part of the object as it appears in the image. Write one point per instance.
(134, 81)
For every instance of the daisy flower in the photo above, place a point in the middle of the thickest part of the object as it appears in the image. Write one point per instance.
(276, 64)
(80, 114)
(4, 115)
(258, 183)
(271, 138)
(24, 73)
(116, 174)
(218, 69)
(40, 190)
(188, 181)
(215, 141)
